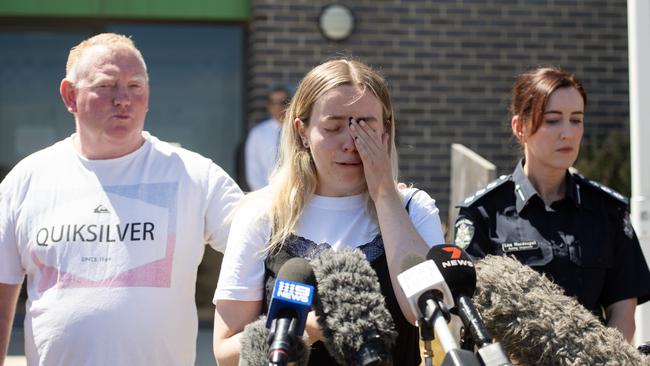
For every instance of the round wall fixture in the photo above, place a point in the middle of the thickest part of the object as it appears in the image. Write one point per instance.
(336, 22)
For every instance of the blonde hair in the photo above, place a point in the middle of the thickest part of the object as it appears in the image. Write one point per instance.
(295, 178)
(110, 40)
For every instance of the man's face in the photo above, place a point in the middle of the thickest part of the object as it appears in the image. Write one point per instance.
(277, 104)
(110, 101)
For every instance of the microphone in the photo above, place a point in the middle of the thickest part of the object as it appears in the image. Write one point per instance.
(430, 299)
(290, 303)
(538, 324)
(457, 270)
(254, 346)
(357, 327)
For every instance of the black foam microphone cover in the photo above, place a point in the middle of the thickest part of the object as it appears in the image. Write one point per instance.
(298, 270)
(456, 267)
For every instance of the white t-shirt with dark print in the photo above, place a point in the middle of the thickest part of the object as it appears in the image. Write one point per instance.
(334, 221)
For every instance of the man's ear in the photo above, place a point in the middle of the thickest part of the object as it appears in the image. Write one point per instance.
(69, 95)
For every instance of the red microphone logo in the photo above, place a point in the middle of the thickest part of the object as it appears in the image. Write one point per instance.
(455, 252)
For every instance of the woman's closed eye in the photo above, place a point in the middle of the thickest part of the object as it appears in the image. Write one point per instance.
(333, 126)
(552, 121)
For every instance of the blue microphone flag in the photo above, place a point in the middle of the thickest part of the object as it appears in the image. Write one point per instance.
(291, 295)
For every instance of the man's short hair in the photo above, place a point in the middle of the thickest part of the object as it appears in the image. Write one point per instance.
(277, 89)
(110, 40)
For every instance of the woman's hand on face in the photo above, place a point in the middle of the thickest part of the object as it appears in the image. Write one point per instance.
(372, 146)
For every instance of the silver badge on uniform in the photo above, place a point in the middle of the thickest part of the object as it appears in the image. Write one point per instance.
(464, 232)
(627, 225)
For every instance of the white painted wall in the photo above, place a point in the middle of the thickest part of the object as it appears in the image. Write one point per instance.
(638, 14)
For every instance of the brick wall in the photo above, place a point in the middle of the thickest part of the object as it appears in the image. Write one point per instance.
(450, 65)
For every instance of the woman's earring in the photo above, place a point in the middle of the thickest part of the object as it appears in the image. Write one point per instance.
(305, 144)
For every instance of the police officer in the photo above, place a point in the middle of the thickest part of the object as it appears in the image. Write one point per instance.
(574, 230)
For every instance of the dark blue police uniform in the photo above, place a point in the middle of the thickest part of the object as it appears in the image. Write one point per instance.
(585, 242)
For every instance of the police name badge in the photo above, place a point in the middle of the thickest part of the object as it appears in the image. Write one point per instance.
(464, 232)
(519, 246)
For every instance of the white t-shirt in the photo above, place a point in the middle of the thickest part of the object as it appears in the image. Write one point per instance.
(262, 152)
(337, 221)
(111, 249)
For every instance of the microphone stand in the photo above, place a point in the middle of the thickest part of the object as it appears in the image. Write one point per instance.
(433, 324)
(426, 336)
(490, 353)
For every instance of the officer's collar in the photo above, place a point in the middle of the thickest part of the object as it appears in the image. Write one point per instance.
(524, 189)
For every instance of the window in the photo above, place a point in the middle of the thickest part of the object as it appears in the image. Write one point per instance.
(196, 76)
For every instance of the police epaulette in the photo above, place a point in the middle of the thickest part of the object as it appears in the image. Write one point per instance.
(609, 191)
(478, 194)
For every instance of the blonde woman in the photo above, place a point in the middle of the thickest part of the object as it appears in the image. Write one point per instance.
(334, 187)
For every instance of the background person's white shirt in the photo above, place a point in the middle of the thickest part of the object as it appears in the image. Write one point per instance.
(262, 152)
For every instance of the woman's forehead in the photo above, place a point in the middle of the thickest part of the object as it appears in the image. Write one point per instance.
(564, 98)
(348, 98)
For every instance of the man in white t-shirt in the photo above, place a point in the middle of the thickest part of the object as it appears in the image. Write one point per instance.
(109, 226)
(263, 140)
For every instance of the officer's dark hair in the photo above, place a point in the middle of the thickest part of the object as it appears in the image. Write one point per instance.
(532, 90)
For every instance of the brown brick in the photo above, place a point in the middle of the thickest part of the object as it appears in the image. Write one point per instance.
(450, 65)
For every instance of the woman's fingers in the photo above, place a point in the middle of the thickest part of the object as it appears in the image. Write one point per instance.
(371, 143)
(368, 141)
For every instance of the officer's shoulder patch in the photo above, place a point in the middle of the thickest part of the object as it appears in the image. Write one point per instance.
(467, 202)
(602, 188)
(463, 232)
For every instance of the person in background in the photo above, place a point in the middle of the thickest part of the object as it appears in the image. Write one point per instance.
(335, 187)
(261, 151)
(109, 225)
(574, 230)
